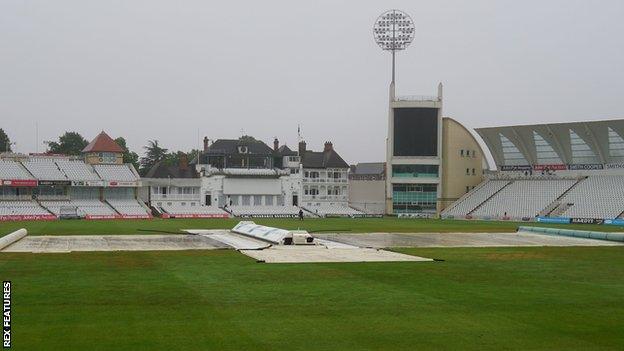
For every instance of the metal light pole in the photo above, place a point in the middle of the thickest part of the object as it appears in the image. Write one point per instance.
(394, 31)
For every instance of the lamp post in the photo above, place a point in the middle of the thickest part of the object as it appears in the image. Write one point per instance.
(394, 31)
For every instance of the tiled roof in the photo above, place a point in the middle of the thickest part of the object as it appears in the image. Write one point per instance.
(102, 143)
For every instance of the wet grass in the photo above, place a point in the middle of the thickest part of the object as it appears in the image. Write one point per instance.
(360, 225)
(475, 299)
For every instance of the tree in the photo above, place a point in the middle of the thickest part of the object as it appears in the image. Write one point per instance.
(70, 143)
(153, 154)
(128, 156)
(5, 142)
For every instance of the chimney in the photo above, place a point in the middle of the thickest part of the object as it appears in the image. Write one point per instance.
(302, 148)
(328, 146)
(205, 143)
(275, 144)
(183, 160)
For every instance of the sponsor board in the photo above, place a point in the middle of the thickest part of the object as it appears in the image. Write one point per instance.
(121, 184)
(55, 182)
(586, 220)
(586, 167)
(614, 166)
(49, 217)
(553, 220)
(553, 167)
(516, 168)
(87, 183)
(19, 182)
(614, 221)
(117, 216)
(196, 215)
(92, 217)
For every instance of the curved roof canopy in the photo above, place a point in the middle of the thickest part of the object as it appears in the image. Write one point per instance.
(556, 143)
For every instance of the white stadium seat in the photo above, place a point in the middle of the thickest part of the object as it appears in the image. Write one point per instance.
(333, 210)
(127, 206)
(177, 208)
(77, 170)
(21, 208)
(596, 197)
(44, 169)
(13, 170)
(85, 207)
(524, 198)
(474, 198)
(264, 211)
(115, 172)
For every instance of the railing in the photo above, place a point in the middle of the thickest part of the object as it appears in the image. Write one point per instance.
(16, 197)
(324, 180)
(326, 197)
(417, 98)
(175, 197)
(53, 197)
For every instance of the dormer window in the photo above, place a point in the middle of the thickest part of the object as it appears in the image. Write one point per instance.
(242, 149)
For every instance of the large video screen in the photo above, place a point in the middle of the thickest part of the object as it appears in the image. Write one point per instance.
(415, 132)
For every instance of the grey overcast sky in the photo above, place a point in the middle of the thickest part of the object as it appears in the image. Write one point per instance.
(168, 70)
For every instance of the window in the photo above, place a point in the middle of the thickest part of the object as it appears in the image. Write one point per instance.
(246, 200)
(511, 154)
(411, 198)
(461, 152)
(581, 152)
(467, 171)
(467, 189)
(415, 171)
(616, 144)
(268, 200)
(474, 154)
(545, 152)
(473, 171)
(257, 200)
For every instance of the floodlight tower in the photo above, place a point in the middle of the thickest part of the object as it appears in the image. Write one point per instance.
(413, 146)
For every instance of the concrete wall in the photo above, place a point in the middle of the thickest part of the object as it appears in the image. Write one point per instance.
(454, 178)
(94, 158)
(368, 195)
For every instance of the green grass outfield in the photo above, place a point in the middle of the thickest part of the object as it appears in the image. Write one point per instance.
(476, 299)
(359, 225)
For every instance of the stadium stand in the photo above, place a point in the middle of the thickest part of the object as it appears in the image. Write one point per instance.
(44, 169)
(264, 211)
(523, 198)
(13, 170)
(77, 170)
(475, 197)
(115, 172)
(85, 207)
(595, 197)
(325, 210)
(129, 207)
(22, 208)
(175, 209)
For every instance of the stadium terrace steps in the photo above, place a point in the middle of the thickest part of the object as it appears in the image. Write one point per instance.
(14, 170)
(22, 208)
(556, 206)
(498, 190)
(523, 198)
(333, 210)
(77, 170)
(115, 173)
(596, 197)
(474, 198)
